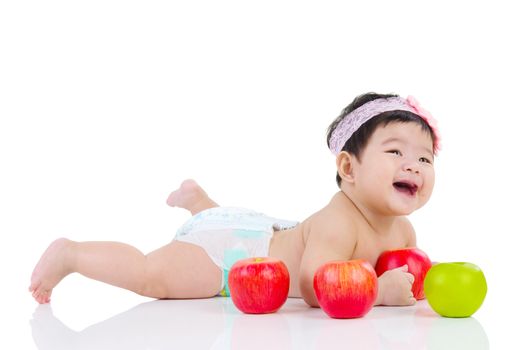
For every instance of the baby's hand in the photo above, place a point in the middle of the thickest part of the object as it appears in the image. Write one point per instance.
(394, 287)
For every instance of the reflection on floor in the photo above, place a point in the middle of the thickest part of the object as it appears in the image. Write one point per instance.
(217, 324)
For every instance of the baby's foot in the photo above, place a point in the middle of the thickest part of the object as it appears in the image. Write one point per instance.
(189, 196)
(50, 270)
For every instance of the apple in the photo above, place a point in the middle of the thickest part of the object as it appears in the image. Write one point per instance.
(417, 261)
(455, 289)
(259, 285)
(346, 289)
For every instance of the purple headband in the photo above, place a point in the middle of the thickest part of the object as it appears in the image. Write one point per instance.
(359, 116)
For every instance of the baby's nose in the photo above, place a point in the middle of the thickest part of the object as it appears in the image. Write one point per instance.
(412, 167)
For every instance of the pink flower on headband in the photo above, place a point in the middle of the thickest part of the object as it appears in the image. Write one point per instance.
(433, 124)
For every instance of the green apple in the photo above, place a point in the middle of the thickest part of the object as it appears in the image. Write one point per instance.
(455, 289)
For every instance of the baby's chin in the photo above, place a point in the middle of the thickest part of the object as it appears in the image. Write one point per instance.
(402, 210)
(406, 208)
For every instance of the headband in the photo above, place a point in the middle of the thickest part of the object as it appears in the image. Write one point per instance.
(359, 116)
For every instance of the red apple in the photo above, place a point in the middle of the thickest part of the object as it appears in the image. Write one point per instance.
(346, 289)
(417, 261)
(259, 285)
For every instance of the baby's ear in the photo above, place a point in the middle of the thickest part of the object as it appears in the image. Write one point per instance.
(345, 166)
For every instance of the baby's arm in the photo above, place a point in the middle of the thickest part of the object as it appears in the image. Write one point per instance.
(324, 244)
(328, 241)
(394, 286)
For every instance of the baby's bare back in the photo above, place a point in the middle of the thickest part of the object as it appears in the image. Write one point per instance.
(288, 246)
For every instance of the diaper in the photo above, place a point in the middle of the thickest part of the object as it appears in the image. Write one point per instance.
(229, 234)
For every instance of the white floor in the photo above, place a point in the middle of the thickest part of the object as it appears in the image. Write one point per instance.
(217, 324)
(87, 315)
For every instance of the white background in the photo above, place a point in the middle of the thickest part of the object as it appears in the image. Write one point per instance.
(106, 106)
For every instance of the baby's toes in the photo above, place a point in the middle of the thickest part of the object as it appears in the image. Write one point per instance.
(41, 296)
(34, 285)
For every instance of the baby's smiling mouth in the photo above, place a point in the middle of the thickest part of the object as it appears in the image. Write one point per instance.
(406, 187)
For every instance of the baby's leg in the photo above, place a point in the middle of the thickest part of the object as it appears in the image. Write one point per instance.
(192, 197)
(177, 270)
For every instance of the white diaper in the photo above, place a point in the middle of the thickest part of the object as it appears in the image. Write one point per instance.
(229, 234)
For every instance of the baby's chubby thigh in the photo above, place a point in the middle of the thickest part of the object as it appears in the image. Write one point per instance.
(181, 270)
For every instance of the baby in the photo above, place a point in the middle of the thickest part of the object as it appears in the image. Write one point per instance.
(384, 147)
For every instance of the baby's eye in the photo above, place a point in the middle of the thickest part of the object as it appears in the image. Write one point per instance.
(395, 151)
(425, 160)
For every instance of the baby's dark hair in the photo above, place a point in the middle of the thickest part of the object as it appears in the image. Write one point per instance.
(359, 139)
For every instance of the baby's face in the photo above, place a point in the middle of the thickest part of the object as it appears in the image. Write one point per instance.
(396, 174)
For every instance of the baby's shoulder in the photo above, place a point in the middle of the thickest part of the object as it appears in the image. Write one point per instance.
(332, 224)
